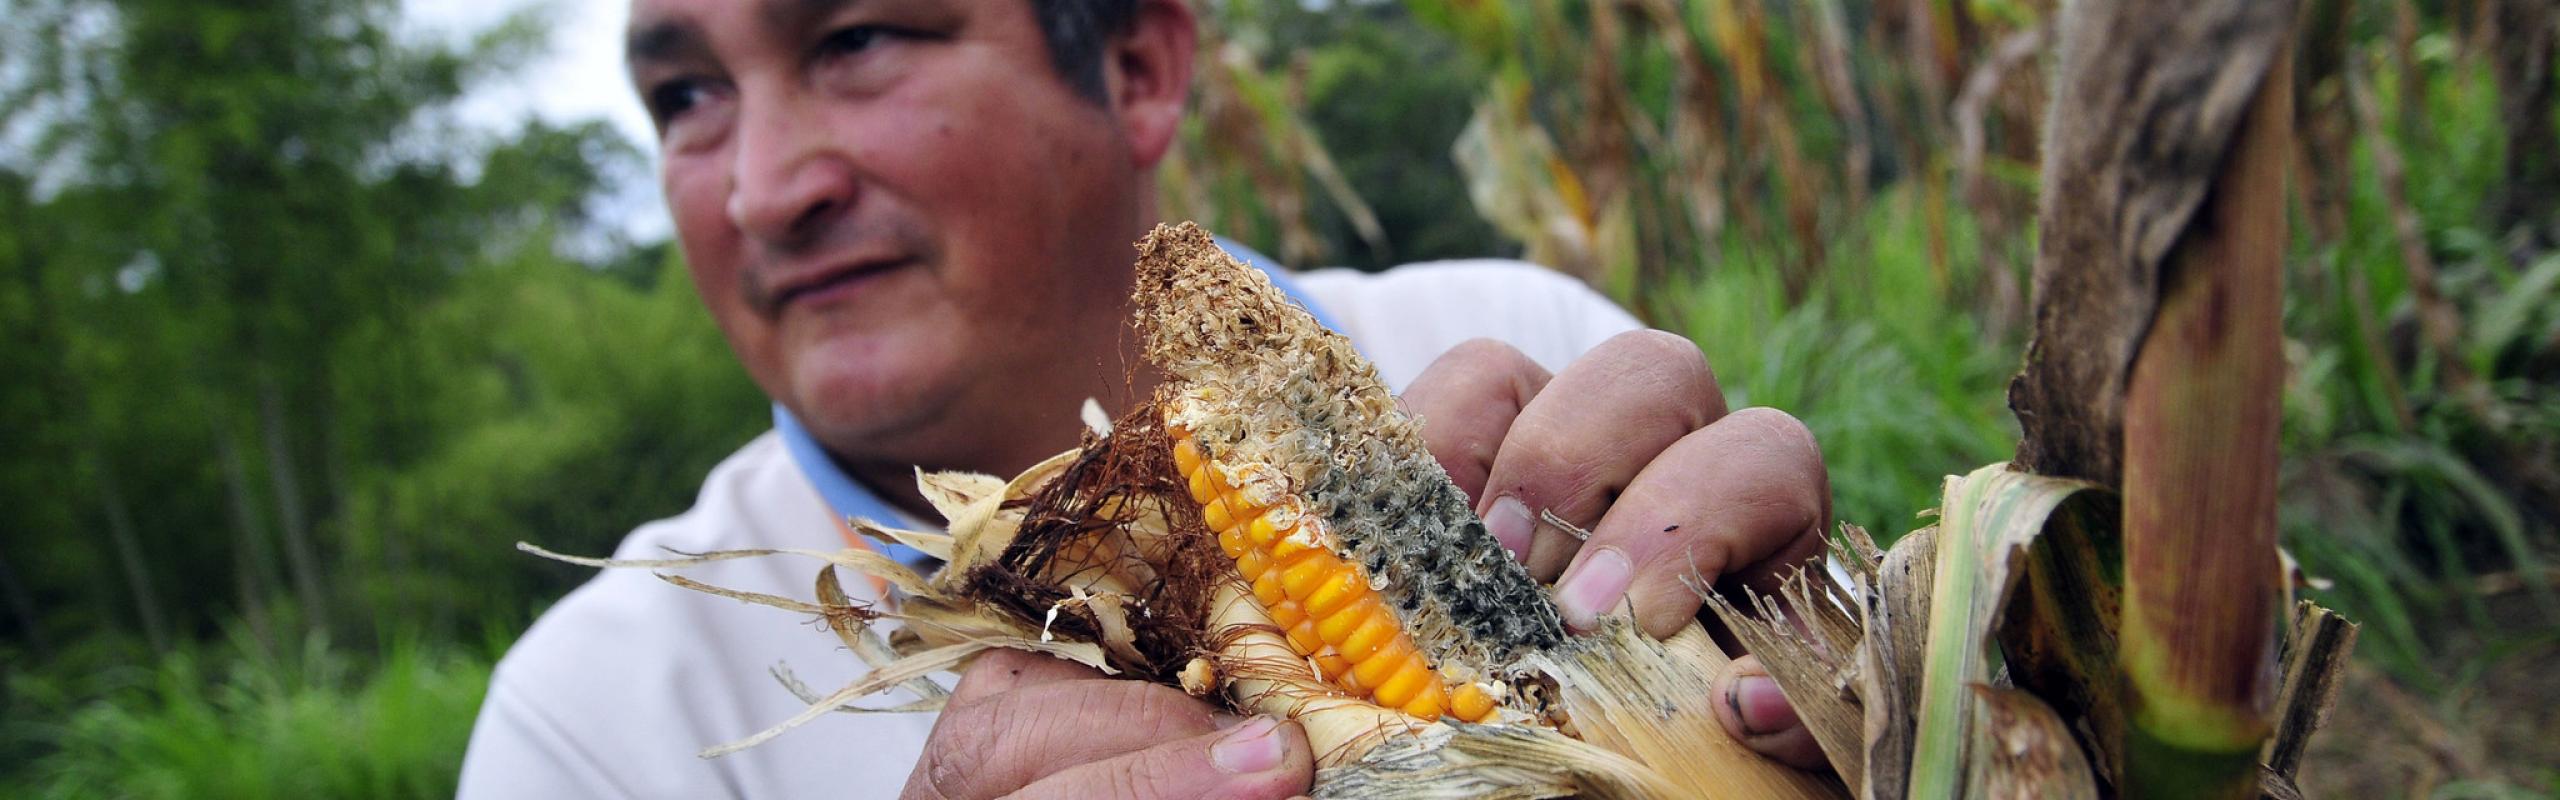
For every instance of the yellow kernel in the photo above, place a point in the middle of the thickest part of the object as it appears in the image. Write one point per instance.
(1292, 544)
(1204, 486)
(1263, 533)
(1286, 615)
(1199, 677)
(1186, 454)
(1218, 515)
(1406, 684)
(1236, 546)
(1267, 588)
(1381, 665)
(1337, 592)
(1375, 629)
(1302, 578)
(1337, 627)
(1429, 703)
(1331, 665)
(1303, 636)
(1239, 507)
(1471, 703)
(1252, 562)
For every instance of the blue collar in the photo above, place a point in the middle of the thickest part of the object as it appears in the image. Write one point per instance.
(849, 498)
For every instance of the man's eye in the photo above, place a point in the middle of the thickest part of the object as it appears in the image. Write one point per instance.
(672, 99)
(854, 40)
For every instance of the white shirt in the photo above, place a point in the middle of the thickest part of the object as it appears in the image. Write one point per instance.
(615, 688)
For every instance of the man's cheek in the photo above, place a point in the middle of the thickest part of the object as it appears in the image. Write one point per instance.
(696, 190)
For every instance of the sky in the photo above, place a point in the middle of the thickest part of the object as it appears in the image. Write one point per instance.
(580, 78)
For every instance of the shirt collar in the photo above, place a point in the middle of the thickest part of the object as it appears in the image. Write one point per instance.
(849, 498)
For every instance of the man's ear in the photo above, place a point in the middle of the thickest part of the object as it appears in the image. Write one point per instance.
(1148, 70)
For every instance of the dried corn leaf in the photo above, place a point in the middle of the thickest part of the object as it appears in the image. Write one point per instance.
(2157, 96)
(1652, 701)
(1512, 762)
(1816, 675)
(852, 626)
(1890, 657)
(868, 563)
(791, 682)
(2026, 751)
(910, 668)
(937, 545)
(2315, 655)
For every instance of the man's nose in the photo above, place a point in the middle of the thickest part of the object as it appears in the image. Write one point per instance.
(790, 179)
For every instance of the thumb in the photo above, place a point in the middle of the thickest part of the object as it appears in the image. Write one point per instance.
(1753, 710)
(1258, 759)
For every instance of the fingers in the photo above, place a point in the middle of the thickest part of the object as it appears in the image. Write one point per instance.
(1466, 400)
(1260, 758)
(1754, 711)
(1575, 447)
(1746, 493)
(988, 744)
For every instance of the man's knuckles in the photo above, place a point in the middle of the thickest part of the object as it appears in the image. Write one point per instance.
(1485, 360)
(1666, 367)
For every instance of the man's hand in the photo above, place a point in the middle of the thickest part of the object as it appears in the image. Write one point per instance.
(1633, 443)
(1028, 725)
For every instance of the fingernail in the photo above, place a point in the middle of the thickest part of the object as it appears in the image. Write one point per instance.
(1593, 587)
(1252, 747)
(1511, 527)
(1762, 707)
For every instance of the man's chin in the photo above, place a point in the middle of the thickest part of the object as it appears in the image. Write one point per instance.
(859, 412)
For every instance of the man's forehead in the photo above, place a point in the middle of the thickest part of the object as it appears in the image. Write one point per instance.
(661, 27)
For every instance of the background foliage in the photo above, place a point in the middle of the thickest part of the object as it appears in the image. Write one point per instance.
(294, 355)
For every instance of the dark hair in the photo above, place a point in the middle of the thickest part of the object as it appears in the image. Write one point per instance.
(1077, 30)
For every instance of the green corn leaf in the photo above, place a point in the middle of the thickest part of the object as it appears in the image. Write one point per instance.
(1993, 521)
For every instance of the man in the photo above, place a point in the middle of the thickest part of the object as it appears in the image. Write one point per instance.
(913, 220)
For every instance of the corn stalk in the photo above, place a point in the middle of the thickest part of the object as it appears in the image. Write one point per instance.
(2156, 365)
(2201, 416)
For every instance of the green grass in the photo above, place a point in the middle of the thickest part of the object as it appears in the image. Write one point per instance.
(323, 724)
(1898, 381)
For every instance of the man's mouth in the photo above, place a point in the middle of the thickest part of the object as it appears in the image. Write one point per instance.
(828, 286)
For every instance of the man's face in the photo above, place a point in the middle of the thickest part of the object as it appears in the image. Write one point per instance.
(905, 221)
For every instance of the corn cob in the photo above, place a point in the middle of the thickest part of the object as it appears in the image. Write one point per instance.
(1352, 538)
(1355, 554)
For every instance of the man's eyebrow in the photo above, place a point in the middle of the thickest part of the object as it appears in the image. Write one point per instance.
(783, 17)
(664, 40)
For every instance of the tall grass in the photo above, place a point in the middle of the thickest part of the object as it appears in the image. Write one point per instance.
(2404, 485)
(1899, 382)
(223, 723)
